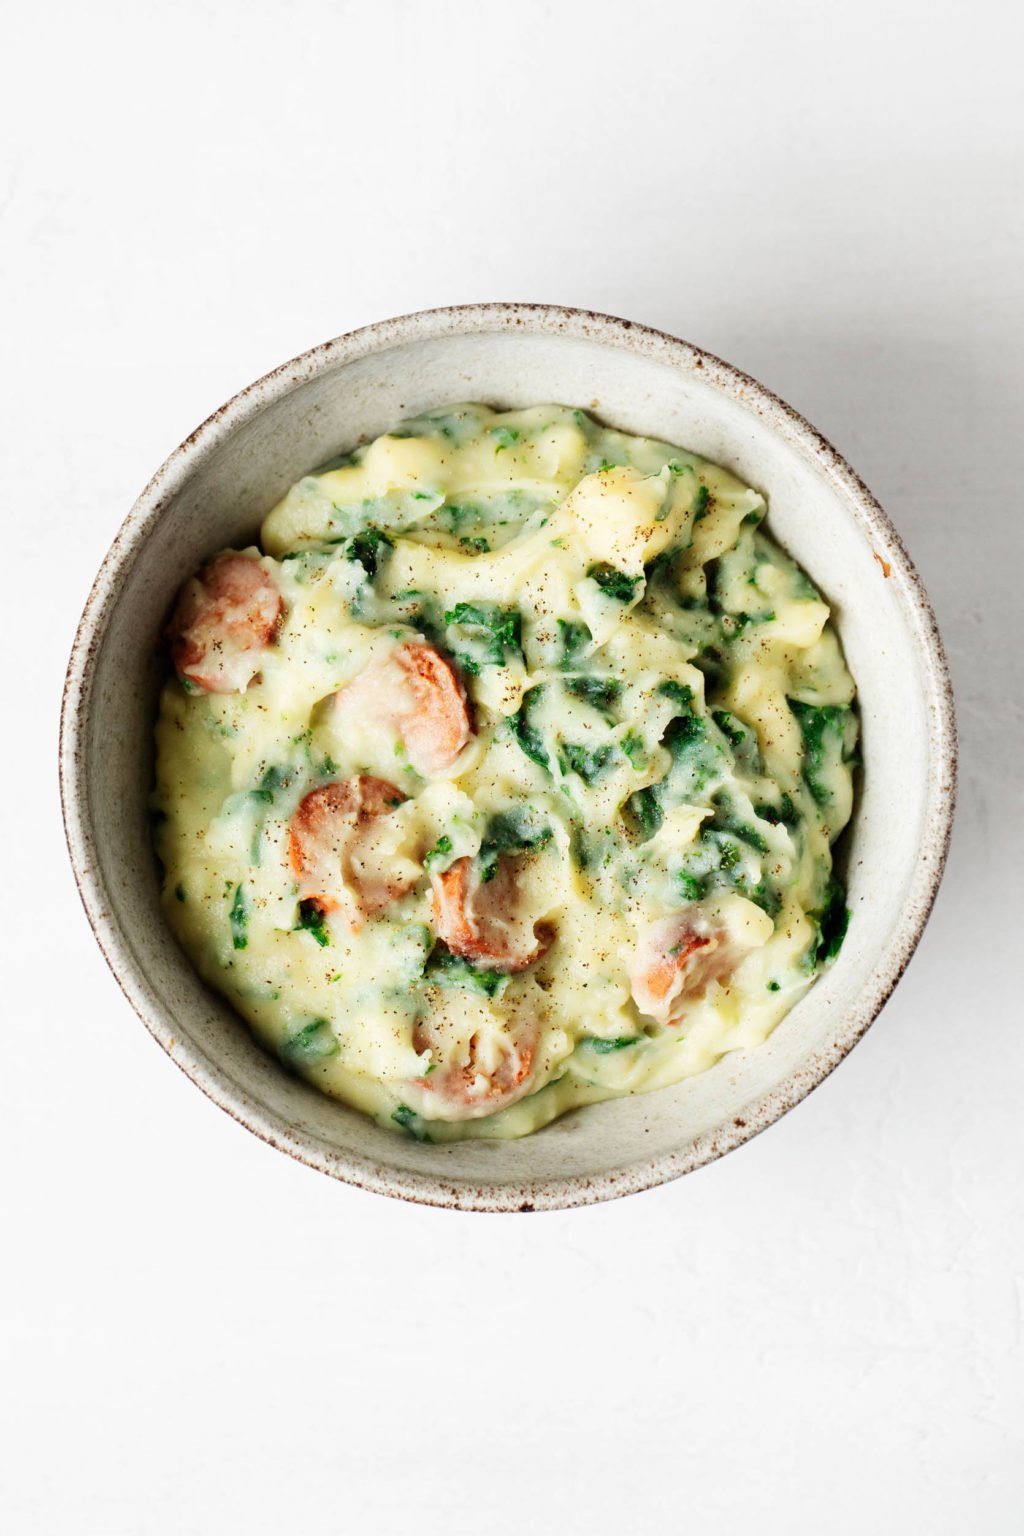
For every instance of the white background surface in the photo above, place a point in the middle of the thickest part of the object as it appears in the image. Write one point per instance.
(823, 1332)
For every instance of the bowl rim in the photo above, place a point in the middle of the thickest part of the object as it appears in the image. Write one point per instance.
(558, 1192)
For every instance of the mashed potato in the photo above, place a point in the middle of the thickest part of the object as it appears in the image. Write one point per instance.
(504, 776)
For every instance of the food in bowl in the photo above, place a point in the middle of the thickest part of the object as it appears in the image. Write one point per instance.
(505, 775)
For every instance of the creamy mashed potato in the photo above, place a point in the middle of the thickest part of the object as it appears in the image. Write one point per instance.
(504, 776)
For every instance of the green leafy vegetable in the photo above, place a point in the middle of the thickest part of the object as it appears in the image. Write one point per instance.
(588, 762)
(238, 918)
(679, 693)
(369, 549)
(784, 814)
(440, 850)
(734, 624)
(409, 1120)
(457, 514)
(661, 572)
(644, 813)
(634, 749)
(748, 834)
(311, 920)
(485, 634)
(314, 1042)
(526, 732)
(511, 832)
(579, 846)
(684, 733)
(763, 894)
(832, 921)
(601, 693)
(575, 639)
(263, 795)
(700, 503)
(730, 728)
(420, 611)
(708, 864)
(447, 970)
(829, 732)
(272, 780)
(730, 854)
(696, 759)
(614, 583)
(605, 1047)
(729, 819)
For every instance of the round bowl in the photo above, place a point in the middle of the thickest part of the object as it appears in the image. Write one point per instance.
(214, 490)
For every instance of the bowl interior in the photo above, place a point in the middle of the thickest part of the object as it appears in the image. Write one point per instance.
(214, 493)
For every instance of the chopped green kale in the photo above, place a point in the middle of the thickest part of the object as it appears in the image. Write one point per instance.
(447, 970)
(679, 693)
(602, 1047)
(311, 920)
(643, 812)
(314, 1042)
(729, 726)
(588, 762)
(263, 795)
(634, 749)
(575, 639)
(602, 693)
(828, 732)
(369, 549)
(238, 919)
(526, 732)
(485, 635)
(440, 851)
(729, 819)
(832, 920)
(514, 831)
(614, 583)
(784, 814)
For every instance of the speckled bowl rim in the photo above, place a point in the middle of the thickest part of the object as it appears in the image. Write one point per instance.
(625, 335)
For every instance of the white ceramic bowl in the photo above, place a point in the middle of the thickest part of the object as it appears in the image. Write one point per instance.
(213, 491)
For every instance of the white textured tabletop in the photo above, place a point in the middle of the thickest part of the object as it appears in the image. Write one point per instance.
(823, 1331)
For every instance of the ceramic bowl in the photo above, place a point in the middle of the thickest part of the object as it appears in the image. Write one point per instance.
(214, 490)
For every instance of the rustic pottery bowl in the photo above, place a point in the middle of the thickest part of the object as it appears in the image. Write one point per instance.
(214, 490)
